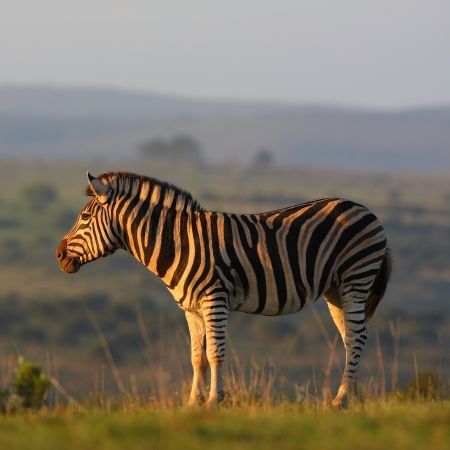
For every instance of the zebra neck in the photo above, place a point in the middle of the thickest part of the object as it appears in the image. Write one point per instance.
(186, 260)
(160, 240)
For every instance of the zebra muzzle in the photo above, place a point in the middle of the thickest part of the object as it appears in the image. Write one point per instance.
(67, 263)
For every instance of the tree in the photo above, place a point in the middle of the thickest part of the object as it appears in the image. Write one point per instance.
(181, 147)
(263, 157)
(154, 148)
(186, 147)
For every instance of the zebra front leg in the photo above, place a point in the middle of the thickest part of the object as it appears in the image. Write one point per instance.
(215, 314)
(355, 337)
(198, 356)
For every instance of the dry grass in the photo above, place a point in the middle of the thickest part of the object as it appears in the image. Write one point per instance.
(250, 384)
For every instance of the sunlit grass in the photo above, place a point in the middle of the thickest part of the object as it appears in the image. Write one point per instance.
(368, 425)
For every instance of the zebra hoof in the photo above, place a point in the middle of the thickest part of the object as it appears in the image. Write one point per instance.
(211, 405)
(214, 402)
(340, 403)
(193, 404)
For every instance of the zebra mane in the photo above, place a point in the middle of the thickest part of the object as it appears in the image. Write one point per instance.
(124, 182)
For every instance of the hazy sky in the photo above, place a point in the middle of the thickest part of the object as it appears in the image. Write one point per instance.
(383, 53)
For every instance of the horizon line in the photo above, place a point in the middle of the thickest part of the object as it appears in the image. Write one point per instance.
(250, 101)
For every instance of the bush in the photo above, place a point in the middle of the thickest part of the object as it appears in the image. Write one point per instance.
(180, 148)
(4, 397)
(30, 384)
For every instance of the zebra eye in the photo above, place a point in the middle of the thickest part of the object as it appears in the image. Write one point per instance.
(85, 216)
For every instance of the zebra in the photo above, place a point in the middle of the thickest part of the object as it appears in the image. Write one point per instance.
(273, 263)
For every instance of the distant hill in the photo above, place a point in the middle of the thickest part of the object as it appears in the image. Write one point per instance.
(112, 123)
(114, 103)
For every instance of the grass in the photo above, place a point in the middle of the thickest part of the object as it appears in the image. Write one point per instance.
(259, 412)
(257, 415)
(372, 425)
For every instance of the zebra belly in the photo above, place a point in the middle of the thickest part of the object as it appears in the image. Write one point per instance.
(270, 304)
(271, 292)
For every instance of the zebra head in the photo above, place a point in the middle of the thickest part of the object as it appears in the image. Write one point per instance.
(92, 235)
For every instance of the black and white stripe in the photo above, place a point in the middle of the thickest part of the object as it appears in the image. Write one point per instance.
(272, 263)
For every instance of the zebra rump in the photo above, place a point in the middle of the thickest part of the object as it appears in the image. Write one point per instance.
(379, 285)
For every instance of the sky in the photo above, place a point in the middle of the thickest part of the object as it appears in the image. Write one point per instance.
(376, 54)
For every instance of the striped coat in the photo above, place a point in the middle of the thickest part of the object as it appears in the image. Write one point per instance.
(272, 263)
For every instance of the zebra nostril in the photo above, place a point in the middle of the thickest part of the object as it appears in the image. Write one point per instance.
(61, 251)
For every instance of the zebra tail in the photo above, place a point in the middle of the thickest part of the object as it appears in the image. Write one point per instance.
(379, 285)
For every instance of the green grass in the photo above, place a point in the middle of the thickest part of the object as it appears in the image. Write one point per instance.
(369, 426)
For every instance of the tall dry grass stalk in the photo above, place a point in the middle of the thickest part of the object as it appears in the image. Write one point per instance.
(107, 351)
(59, 388)
(247, 383)
(416, 376)
(394, 327)
(381, 379)
(331, 343)
(7, 363)
(326, 387)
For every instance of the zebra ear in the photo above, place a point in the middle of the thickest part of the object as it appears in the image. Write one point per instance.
(95, 186)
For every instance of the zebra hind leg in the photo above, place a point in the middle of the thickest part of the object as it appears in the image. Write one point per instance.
(351, 324)
(335, 308)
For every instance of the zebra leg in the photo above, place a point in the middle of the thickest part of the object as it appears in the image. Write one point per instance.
(198, 356)
(355, 337)
(215, 314)
(335, 308)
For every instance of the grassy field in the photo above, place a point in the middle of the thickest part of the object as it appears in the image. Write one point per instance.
(44, 315)
(389, 425)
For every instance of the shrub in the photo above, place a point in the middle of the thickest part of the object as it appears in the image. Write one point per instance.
(30, 384)
(180, 148)
(4, 397)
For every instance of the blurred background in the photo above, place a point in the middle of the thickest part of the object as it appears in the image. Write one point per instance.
(251, 106)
